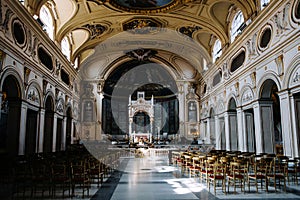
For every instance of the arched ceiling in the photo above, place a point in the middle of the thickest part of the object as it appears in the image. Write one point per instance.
(92, 22)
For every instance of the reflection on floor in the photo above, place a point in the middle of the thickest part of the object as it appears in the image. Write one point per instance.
(154, 178)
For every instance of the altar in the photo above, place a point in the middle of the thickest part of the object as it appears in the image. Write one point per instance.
(141, 118)
(138, 136)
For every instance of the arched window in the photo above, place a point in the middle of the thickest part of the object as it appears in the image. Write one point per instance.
(264, 3)
(47, 19)
(217, 50)
(65, 47)
(238, 20)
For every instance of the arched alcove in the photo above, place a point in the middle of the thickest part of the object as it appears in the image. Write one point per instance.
(10, 115)
(270, 117)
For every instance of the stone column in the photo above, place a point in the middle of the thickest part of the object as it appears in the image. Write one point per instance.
(64, 133)
(22, 136)
(72, 130)
(294, 127)
(181, 104)
(217, 133)
(286, 123)
(240, 129)
(99, 117)
(207, 136)
(54, 132)
(227, 133)
(41, 130)
(258, 127)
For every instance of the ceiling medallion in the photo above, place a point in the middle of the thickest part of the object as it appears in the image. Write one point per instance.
(146, 6)
(142, 26)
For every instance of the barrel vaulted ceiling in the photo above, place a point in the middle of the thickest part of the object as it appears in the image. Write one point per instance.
(90, 23)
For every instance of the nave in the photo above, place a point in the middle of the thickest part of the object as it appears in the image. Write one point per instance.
(131, 174)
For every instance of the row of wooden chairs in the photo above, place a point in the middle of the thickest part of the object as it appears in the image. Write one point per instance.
(61, 172)
(238, 169)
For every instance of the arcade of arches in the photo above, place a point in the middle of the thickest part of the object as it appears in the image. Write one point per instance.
(221, 74)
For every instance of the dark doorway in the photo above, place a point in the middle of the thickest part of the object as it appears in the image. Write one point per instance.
(48, 126)
(58, 134)
(31, 132)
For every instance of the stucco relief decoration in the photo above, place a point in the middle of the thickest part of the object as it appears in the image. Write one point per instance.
(280, 66)
(100, 86)
(8, 16)
(142, 26)
(141, 54)
(236, 87)
(26, 75)
(191, 93)
(295, 78)
(33, 95)
(221, 106)
(225, 71)
(57, 68)
(189, 30)
(247, 96)
(95, 30)
(281, 20)
(60, 106)
(88, 90)
(253, 79)
(251, 46)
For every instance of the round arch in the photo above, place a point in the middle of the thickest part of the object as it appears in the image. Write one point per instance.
(15, 74)
(272, 76)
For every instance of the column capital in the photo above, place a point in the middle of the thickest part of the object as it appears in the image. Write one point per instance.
(283, 93)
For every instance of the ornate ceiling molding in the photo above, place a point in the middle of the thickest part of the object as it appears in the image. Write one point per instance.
(142, 26)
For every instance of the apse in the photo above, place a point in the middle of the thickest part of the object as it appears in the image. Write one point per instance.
(122, 87)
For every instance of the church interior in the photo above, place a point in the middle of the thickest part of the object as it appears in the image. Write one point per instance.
(149, 99)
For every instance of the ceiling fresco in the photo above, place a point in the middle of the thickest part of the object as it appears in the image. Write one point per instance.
(142, 4)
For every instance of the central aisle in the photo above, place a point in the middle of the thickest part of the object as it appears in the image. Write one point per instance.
(153, 178)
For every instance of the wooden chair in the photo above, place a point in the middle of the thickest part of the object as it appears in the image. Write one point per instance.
(237, 175)
(60, 178)
(257, 173)
(219, 174)
(80, 178)
(276, 171)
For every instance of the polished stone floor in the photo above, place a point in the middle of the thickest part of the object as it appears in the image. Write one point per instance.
(154, 178)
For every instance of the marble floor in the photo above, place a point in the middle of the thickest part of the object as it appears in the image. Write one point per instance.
(154, 178)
